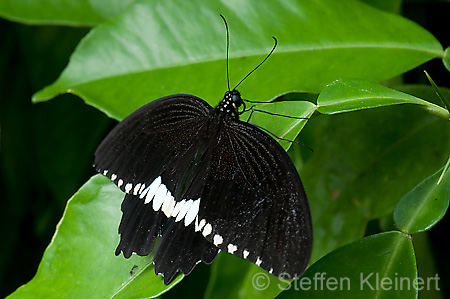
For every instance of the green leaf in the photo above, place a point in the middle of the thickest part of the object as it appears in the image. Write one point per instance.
(80, 262)
(69, 12)
(446, 59)
(345, 95)
(425, 205)
(378, 266)
(153, 49)
(346, 222)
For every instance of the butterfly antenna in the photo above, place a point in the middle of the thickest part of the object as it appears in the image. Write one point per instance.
(228, 47)
(268, 55)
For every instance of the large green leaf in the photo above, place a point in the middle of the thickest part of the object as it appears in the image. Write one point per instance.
(80, 260)
(378, 266)
(425, 205)
(350, 94)
(157, 48)
(70, 12)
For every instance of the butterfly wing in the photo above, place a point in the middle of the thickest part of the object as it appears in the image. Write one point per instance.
(254, 205)
(149, 140)
(151, 155)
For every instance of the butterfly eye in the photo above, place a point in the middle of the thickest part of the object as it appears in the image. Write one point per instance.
(236, 98)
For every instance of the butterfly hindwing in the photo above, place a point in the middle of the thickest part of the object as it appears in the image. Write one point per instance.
(139, 228)
(254, 204)
(181, 249)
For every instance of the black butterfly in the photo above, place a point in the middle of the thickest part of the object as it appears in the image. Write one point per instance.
(204, 181)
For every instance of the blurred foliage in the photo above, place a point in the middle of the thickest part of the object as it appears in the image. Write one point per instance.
(40, 166)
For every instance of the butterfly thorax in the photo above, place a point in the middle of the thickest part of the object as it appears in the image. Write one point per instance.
(229, 105)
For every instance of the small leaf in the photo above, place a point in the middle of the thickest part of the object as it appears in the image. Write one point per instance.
(425, 205)
(80, 260)
(378, 266)
(346, 95)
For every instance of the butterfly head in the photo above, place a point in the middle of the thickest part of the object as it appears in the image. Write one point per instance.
(231, 102)
(235, 97)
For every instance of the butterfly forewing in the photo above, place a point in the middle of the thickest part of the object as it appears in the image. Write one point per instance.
(146, 143)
